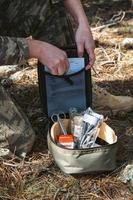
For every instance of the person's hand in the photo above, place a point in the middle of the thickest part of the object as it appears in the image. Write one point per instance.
(84, 41)
(52, 57)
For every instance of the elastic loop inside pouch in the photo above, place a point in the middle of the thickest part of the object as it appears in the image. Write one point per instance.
(65, 75)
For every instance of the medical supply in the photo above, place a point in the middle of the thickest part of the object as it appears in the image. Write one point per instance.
(65, 139)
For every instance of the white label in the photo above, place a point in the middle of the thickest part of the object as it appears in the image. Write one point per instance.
(77, 131)
(69, 145)
(90, 119)
(75, 65)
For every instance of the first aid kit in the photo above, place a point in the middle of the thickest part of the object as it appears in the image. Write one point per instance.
(78, 138)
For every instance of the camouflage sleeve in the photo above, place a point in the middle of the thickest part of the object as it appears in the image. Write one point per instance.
(12, 50)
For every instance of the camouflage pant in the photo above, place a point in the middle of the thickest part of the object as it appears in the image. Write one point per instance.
(44, 22)
(16, 133)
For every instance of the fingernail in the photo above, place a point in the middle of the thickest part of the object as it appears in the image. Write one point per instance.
(88, 67)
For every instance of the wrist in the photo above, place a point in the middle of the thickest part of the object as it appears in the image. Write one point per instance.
(84, 27)
(34, 48)
(83, 22)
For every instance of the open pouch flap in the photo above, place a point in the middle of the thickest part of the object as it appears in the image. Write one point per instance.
(68, 90)
(73, 89)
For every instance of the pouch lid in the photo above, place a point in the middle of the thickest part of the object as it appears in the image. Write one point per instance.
(73, 89)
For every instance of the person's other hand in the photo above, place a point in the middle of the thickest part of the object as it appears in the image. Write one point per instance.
(52, 57)
(84, 41)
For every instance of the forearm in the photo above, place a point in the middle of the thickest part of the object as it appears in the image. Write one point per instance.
(76, 10)
(83, 35)
(12, 50)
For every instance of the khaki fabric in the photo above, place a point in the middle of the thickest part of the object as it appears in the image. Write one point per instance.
(77, 161)
(83, 161)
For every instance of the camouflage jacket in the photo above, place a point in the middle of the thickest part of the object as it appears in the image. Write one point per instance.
(15, 26)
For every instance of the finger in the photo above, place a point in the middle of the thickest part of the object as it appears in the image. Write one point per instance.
(80, 48)
(91, 60)
(66, 65)
(54, 70)
(65, 62)
(62, 67)
(90, 51)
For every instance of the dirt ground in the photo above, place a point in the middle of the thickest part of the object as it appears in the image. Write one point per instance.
(38, 177)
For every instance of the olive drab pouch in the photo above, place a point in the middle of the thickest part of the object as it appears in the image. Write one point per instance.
(88, 160)
(59, 94)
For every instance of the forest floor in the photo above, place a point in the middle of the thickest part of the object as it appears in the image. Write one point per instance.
(38, 177)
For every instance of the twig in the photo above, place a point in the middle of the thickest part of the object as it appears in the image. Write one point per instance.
(56, 193)
(103, 26)
(11, 165)
(117, 169)
(95, 195)
(109, 62)
(117, 17)
(104, 51)
(106, 195)
(95, 71)
(4, 197)
(111, 22)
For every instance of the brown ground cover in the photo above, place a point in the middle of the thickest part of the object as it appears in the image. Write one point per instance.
(37, 177)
